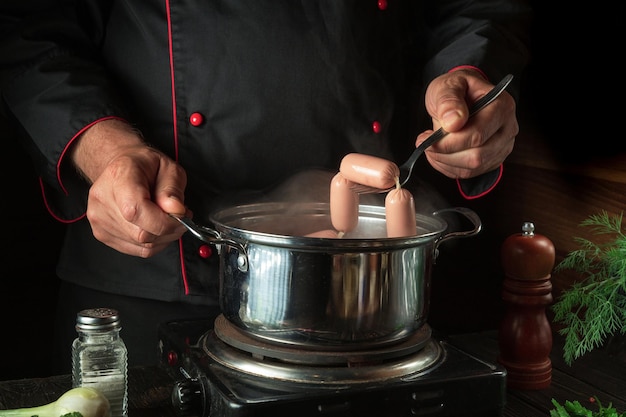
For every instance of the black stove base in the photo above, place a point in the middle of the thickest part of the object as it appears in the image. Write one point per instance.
(460, 385)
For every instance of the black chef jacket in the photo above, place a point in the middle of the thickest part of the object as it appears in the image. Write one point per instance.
(242, 93)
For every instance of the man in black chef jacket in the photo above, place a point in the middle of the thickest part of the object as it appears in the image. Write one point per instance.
(133, 109)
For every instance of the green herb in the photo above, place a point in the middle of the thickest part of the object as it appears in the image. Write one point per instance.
(575, 409)
(595, 308)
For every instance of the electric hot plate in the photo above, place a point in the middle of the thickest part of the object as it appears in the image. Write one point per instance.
(222, 372)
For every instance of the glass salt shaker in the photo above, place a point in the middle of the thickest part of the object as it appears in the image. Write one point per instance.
(100, 358)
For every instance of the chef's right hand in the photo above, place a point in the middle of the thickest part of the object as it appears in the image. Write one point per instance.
(472, 147)
(133, 188)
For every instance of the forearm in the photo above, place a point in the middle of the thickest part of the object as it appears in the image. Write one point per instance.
(100, 144)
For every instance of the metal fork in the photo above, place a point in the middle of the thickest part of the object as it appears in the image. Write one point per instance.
(407, 167)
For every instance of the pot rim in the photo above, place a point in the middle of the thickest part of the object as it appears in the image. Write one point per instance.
(237, 223)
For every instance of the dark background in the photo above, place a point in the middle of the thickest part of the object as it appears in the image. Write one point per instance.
(28, 284)
(569, 93)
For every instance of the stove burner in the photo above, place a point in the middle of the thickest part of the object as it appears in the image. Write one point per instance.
(439, 380)
(234, 349)
(356, 356)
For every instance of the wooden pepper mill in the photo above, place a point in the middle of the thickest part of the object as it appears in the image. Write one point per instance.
(525, 335)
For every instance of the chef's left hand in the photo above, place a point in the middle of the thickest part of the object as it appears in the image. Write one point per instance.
(473, 146)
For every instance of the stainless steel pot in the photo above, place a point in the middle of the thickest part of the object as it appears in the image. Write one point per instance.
(362, 291)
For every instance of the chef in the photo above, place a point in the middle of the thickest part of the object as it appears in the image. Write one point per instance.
(135, 109)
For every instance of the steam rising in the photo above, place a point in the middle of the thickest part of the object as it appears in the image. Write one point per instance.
(312, 187)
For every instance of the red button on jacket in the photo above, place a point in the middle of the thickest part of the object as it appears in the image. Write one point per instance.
(196, 119)
(205, 251)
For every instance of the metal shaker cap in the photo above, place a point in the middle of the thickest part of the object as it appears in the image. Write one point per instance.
(97, 319)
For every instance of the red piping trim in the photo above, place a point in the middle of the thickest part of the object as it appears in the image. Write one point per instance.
(173, 82)
(175, 127)
(487, 191)
(461, 67)
(48, 207)
(65, 150)
(42, 186)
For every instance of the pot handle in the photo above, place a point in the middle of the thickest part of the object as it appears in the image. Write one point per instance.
(467, 213)
(208, 235)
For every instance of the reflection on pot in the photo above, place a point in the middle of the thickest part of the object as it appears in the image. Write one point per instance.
(329, 299)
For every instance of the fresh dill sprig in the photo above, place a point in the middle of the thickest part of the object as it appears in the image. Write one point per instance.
(595, 308)
(576, 409)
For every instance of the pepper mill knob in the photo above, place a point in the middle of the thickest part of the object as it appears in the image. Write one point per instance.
(525, 335)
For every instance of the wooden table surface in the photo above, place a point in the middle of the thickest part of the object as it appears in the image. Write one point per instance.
(598, 373)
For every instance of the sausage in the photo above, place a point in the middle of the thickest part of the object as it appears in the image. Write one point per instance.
(344, 204)
(369, 170)
(400, 213)
(327, 233)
